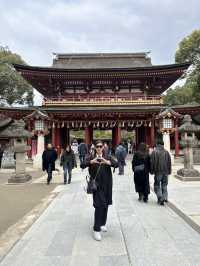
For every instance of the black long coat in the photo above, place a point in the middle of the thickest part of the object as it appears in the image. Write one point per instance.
(141, 178)
(49, 157)
(103, 195)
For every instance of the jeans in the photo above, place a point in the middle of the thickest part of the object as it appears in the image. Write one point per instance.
(67, 171)
(49, 174)
(160, 186)
(121, 167)
(100, 218)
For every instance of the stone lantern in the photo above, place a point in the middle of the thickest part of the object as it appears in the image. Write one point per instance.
(15, 132)
(188, 141)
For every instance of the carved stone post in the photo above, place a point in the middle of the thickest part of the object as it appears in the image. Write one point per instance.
(188, 139)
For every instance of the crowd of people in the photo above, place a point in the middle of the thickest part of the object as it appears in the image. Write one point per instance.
(99, 159)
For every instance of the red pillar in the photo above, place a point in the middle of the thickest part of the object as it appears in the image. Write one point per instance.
(88, 135)
(67, 136)
(91, 133)
(58, 143)
(136, 137)
(53, 136)
(113, 138)
(152, 133)
(176, 139)
(116, 136)
(147, 131)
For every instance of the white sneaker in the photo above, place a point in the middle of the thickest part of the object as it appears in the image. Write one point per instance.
(97, 236)
(104, 228)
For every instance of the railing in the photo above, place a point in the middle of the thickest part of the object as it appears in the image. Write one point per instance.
(103, 100)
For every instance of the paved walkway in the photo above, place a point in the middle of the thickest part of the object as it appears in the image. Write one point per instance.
(138, 233)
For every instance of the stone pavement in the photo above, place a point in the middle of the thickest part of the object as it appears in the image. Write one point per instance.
(138, 233)
(185, 198)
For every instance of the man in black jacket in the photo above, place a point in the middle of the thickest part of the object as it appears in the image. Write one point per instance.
(161, 168)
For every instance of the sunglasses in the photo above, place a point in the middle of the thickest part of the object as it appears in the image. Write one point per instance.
(99, 146)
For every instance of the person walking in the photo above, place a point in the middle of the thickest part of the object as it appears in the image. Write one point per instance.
(160, 161)
(141, 169)
(83, 150)
(49, 157)
(120, 154)
(99, 167)
(68, 161)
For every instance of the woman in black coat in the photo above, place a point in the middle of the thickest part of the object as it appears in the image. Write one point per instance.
(49, 157)
(100, 169)
(68, 161)
(141, 169)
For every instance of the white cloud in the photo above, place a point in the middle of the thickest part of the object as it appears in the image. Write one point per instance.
(35, 29)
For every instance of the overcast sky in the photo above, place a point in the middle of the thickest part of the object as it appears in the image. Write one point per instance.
(35, 29)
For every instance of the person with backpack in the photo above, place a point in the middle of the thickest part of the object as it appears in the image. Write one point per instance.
(120, 154)
(160, 161)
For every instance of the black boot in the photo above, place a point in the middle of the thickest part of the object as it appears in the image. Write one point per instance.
(145, 199)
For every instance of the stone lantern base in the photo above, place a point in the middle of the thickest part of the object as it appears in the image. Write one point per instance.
(20, 178)
(188, 174)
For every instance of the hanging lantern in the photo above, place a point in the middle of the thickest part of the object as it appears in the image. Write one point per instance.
(63, 124)
(39, 125)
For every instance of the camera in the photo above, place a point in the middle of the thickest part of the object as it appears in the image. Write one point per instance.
(99, 160)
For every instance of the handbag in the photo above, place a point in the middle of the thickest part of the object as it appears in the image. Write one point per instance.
(139, 168)
(91, 184)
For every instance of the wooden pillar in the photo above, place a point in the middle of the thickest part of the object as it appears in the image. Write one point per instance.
(88, 135)
(116, 136)
(53, 135)
(152, 133)
(67, 136)
(136, 138)
(58, 143)
(91, 133)
(113, 138)
(176, 139)
(147, 131)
